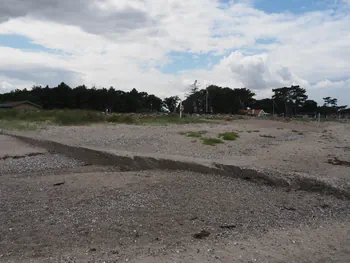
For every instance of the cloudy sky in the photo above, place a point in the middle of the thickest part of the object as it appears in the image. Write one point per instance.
(161, 46)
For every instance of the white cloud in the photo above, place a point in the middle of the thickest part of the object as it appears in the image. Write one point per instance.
(121, 43)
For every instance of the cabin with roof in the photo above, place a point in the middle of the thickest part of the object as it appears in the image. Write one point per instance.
(20, 105)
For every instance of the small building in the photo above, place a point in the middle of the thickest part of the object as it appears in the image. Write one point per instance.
(20, 105)
(253, 112)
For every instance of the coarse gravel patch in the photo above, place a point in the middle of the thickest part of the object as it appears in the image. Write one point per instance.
(37, 163)
(118, 216)
(284, 150)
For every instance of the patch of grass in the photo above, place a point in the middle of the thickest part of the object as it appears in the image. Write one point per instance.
(211, 141)
(83, 117)
(127, 119)
(196, 134)
(60, 117)
(171, 119)
(78, 117)
(229, 136)
(267, 136)
(295, 131)
(300, 133)
(18, 125)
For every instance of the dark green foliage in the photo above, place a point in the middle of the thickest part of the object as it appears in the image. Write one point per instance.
(220, 100)
(310, 106)
(290, 99)
(64, 97)
(170, 103)
(287, 101)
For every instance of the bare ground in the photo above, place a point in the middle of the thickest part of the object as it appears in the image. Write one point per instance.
(152, 216)
(287, 147)
(79, 213)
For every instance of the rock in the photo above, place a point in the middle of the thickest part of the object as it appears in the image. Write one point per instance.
(202, 234)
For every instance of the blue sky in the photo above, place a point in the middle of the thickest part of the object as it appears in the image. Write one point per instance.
(20, 42)
(293, 6)
(180, 61)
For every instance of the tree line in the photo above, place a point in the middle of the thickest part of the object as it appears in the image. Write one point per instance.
(213, 99)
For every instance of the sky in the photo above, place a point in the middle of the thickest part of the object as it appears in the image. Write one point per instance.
(162, 46)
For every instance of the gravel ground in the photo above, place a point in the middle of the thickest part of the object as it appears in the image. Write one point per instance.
(149, 216)
(37, 163)
(287, 147)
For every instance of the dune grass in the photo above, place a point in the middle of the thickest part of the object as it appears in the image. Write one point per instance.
(211, 141)
(85, 117)
(59, 117)
(19, 125)
(172, 119)
(195, 134)
(229, 136)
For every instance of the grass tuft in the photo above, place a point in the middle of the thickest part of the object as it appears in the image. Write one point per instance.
(228, 136)
(211, 141)
(196, 134)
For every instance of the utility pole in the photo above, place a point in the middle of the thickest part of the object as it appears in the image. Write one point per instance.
(181, 109)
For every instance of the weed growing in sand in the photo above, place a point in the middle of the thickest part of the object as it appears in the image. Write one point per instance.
(211, 141)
